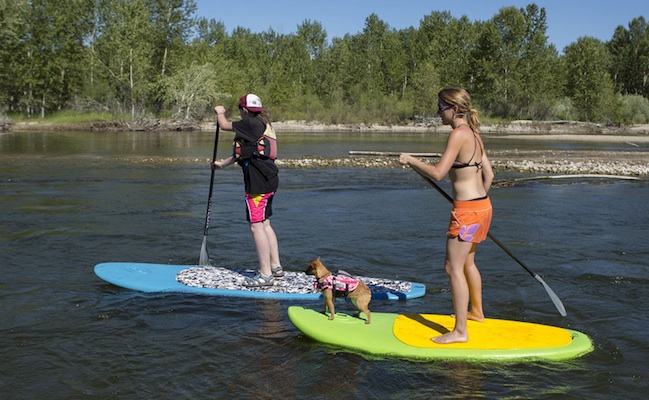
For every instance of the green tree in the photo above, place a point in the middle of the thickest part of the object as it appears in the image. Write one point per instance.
(172, 24)
(448, 43)
(310, 40)
(209, 47)
(497, 61)
(630, 57)
(12, 31)
(515, 69)
(48, 55)
(589, 83)
(541, 78)
(426, 85)
(408, 39)
(191, 88)
(150, 55)
(284, 69)
(336, 78)
(208, 33)
(125, 51)
(249, 55)
(394, 65)
(367, 65)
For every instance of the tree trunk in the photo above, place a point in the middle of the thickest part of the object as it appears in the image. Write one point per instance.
(164, 60)
(132, 86)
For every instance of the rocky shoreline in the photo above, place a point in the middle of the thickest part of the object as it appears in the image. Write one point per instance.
(632, 163)
(432, 125)
(627, 164)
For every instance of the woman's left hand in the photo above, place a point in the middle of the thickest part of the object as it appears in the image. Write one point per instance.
(405, 159)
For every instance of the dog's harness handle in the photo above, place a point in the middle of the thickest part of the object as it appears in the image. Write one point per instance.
(337, 291)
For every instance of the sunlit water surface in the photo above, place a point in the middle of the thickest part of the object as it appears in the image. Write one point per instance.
(72, 200)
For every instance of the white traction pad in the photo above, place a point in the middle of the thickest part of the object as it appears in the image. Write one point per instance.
(292, 282)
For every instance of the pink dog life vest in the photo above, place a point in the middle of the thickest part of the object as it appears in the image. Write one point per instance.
(338, 283)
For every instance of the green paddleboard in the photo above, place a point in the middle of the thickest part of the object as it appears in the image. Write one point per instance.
(408, 336)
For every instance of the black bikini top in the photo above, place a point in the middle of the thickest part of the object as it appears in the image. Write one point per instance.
(457, 164)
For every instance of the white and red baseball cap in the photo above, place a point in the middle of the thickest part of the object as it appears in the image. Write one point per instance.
(251, 102)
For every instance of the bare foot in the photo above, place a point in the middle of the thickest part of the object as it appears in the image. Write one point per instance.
(473, 316)
(451, 337)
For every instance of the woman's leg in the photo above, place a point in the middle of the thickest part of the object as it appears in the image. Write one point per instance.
(272, 243)
(266, 244)
(457, 252)
(474, 280)
(263, 247)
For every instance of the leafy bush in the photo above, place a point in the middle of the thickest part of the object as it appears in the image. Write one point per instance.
(564, 109)
(632, 109)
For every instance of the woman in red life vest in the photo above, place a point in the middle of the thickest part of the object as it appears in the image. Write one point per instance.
(260, 176)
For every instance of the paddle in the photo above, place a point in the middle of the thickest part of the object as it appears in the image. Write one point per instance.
(204, 259)
(555, 299)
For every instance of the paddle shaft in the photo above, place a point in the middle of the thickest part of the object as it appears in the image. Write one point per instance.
(204, 257)
(555, 299)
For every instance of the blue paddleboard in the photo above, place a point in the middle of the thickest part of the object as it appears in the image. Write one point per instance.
(216, 281)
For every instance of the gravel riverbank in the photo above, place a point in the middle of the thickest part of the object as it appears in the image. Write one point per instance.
(634, 162)
(620, 163)
(550, 162)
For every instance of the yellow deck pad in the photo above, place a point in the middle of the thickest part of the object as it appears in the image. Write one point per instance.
(491, 334)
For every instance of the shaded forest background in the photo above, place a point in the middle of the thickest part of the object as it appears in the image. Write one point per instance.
(130, 59)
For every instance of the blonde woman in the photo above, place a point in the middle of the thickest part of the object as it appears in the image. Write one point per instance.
(465, 161)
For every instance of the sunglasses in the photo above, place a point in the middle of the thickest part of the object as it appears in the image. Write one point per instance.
(442, 108)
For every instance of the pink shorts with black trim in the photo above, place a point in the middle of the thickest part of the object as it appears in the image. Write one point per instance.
(470, 220)
(259, 207)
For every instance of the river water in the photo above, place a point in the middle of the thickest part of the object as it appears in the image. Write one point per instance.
(72, 200)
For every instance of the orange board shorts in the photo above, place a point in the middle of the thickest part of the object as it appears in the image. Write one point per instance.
(470, 220)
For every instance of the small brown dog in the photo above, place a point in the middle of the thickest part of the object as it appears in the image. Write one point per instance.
(339, 286)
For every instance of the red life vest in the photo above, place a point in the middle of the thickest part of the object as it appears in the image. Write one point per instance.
(265, 147)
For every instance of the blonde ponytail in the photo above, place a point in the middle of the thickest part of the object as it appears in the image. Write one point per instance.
(473, 120)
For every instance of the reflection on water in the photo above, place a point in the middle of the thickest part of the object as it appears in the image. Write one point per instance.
(196, 144)
(72, 200)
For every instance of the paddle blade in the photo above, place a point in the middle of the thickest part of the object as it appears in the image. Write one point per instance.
(555, 299)
(204, 259)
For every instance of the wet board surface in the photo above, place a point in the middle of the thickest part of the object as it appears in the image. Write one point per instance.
(408, 336)
(218, 281)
